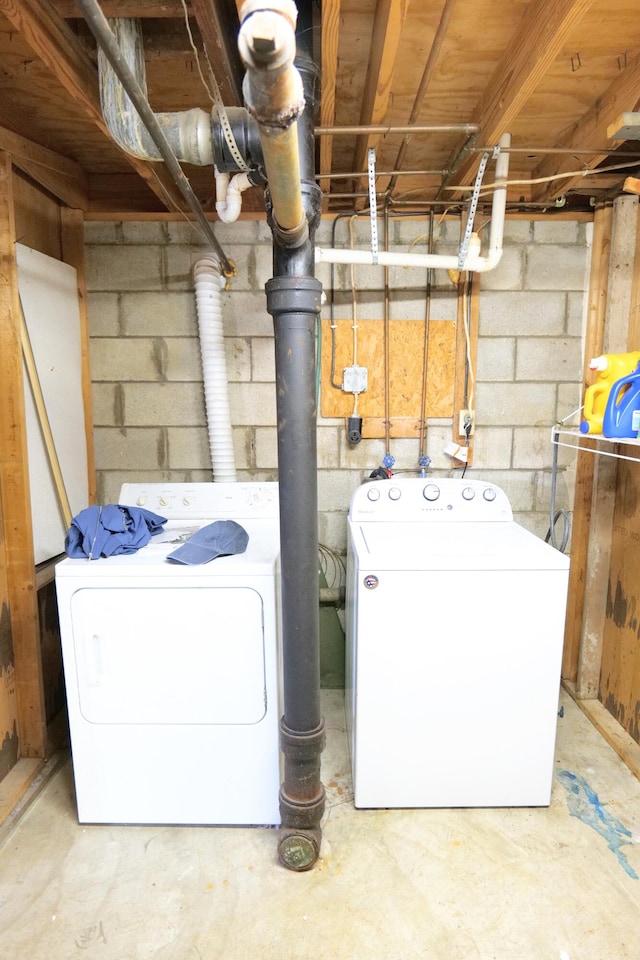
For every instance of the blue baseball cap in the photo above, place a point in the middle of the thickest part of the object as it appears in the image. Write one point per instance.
(219, 539)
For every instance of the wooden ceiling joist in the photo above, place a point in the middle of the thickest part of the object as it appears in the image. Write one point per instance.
(387, 28)
(51, 40)
(427, 74)
(542, 33)
(62, 177)
(623, 94)
(158, 9)
(218, 29)
(330, 31)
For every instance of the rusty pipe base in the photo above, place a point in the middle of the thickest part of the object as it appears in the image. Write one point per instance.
(302, 797)
(299, 850)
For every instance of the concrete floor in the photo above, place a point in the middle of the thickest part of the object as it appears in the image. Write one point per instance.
(521, 884)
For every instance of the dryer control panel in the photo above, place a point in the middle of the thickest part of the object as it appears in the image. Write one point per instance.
(185, 501)
(430, 500)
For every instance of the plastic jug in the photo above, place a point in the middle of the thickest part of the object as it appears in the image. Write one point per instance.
(622, 413)
(610, 367)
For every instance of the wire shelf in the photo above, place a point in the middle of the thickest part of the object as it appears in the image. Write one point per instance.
(602, 446)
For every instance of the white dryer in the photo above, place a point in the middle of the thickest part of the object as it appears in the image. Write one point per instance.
(172, 671)
(455, 621)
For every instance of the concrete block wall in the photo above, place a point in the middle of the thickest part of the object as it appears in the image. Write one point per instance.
(148, 399)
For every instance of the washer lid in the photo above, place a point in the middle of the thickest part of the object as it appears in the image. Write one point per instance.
(459, 546)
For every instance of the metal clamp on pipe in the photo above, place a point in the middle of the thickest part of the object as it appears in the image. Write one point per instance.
(274, 95)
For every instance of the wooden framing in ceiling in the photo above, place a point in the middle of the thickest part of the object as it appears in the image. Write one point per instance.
(554, 73)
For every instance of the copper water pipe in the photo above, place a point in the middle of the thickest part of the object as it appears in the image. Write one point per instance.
(274, 95)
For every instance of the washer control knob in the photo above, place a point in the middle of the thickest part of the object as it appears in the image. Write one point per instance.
(394, 493)
(373, 493)
(489, 494)
(163, 501)
(141, 501)
(186, 502)
(468, 493)
(431, 491)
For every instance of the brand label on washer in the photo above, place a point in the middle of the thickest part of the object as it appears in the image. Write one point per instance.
(371, 581)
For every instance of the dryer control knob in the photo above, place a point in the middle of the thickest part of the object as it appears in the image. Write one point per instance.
(431, 491)
(468, 493)
(489, 494)
(163, 501)
(395, 493)
(373, 493)
(141, 501)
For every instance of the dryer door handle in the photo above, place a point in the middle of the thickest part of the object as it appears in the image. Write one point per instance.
(95, 660)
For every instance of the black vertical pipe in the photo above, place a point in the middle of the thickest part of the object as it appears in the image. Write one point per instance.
(293, 300)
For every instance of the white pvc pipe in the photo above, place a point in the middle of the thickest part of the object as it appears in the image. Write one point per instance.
(473, 260)
(229, 195)
(208, 287)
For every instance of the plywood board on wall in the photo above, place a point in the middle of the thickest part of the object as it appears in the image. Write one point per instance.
(406, 365)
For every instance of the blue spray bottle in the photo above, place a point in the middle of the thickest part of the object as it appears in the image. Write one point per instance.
(622, 413)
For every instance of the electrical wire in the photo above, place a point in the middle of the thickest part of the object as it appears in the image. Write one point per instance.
(425, 354)
(332, 566)
(469, 375)
(387, 343)
(354, 315)
(215, 97)
(585, 172)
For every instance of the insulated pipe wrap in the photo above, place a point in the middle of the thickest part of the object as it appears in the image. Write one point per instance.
(188, 133)
(208, 289)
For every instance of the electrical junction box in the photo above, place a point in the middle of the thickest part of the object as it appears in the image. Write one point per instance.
(354, 379)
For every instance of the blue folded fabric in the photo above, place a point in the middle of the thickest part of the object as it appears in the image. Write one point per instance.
(219, 539)
(110, 530)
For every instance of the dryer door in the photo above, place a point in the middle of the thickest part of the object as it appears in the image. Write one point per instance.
(169, 656)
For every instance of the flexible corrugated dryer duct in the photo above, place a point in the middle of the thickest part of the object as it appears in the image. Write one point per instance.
(208, 282)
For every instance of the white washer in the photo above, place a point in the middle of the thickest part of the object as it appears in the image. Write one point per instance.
(455, 619)
(172, 671)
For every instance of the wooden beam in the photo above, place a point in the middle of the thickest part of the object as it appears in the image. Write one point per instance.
(14, 487)
(606, 725)
(53, 42)
(585, 463)
(633, 328)
(620, 284)
(158, 9)
(62, 177)
(427, 74)
(625, 127)
(590, 130)
(387, 28)
(543, 31)
(15, 785)
(329, 70)
(219, 30)
(72, 223)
